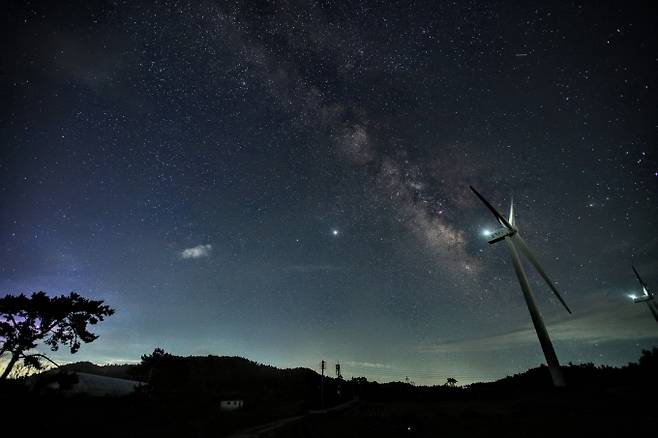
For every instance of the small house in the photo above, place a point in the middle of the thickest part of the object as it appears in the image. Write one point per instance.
(231, 405)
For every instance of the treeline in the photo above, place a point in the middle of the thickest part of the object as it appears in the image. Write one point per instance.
(213, 378)
(586, 375)
(230, 377)
(641, 375)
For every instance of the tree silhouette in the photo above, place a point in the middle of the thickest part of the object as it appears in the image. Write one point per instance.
(451, 381)
(62, 320)
(158, 360)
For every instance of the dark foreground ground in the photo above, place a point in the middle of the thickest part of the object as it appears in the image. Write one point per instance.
(613, 411)
(610, 413)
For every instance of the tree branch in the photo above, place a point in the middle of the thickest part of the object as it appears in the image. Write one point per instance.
(52, 326)
(43, 356)
(13, 321)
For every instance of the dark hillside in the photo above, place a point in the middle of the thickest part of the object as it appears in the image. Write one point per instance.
(184, 394)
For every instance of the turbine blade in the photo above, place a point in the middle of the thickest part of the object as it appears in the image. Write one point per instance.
(495, 212)
(511, 213)
(638, 276)
(642, 283)
(652, 307)
(530, 256)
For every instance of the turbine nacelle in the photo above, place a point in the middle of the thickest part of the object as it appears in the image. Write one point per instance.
(641, 298)
(499, 235)
(646, 297)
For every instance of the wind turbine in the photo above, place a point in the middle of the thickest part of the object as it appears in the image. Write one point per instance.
(646, 296)
(510, 233)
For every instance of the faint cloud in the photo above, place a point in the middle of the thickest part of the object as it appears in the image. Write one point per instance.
(368, 365)
(611, 324)
(196, 252)
(312, 268)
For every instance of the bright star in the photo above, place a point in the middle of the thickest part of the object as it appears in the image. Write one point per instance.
(334, 232)
(486, 232)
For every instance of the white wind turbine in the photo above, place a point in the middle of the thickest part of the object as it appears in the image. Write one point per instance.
(515, 243)
(646, 296)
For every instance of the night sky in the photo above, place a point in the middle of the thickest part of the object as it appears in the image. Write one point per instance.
(288, 181)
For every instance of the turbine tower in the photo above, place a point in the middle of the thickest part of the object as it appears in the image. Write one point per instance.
(646, 296)
(516, 244)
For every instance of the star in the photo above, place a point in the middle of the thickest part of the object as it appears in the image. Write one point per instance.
(335, 232)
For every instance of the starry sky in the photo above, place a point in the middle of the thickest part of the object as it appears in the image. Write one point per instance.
(288, 181)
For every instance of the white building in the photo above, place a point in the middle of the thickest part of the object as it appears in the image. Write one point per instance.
(230, 405)
(91, 384)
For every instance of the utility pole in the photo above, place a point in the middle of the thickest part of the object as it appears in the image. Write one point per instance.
(339, 379)
(323, 365)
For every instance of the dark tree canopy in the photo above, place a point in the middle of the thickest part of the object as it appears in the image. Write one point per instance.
(61, 320)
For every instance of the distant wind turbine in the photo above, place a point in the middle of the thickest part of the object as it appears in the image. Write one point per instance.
(515, 243)
(646, 296)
